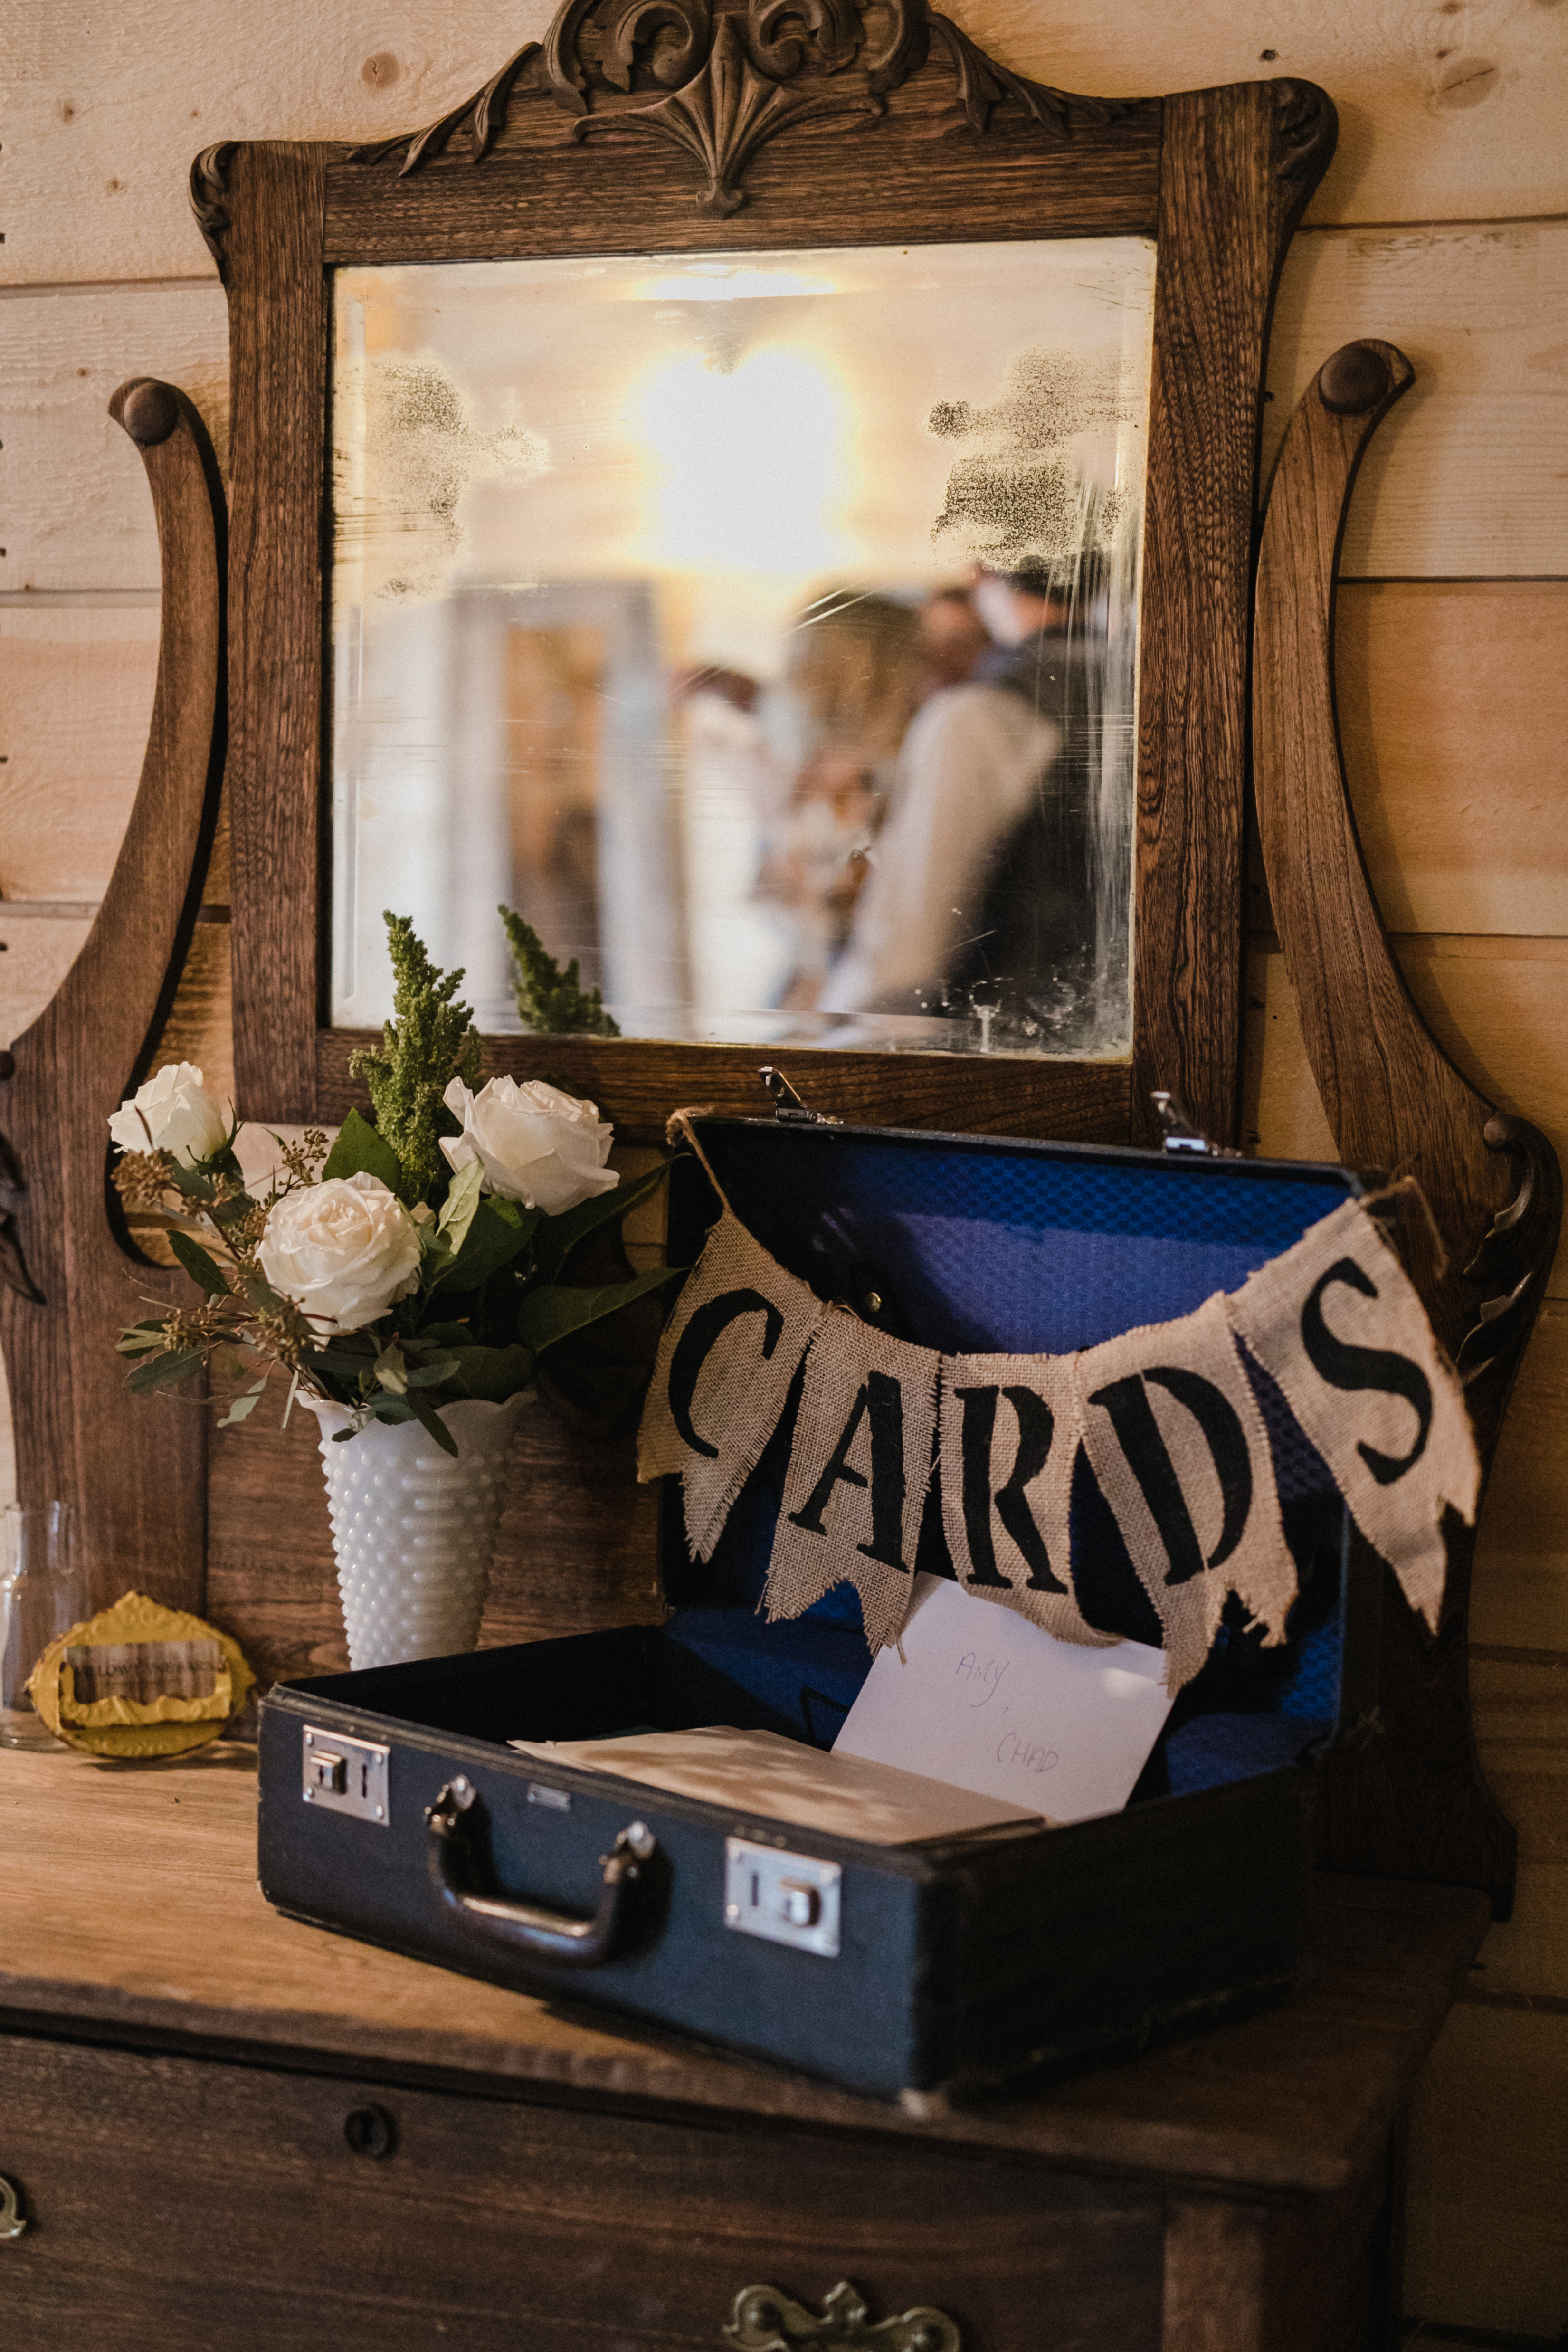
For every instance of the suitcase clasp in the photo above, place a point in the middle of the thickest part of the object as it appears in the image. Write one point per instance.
(788, 1105)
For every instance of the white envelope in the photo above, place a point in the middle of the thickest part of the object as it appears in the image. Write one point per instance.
(986, 1700)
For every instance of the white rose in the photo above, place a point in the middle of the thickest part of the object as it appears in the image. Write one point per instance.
(176, 1112)
(342, 1251)
(538, 1146)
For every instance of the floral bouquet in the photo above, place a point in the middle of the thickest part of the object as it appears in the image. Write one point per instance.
(412, 1274)
(414, 1266)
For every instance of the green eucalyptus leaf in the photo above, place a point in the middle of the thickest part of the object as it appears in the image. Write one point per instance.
(558, 1236)
(359, 1150)
(202, 1270)
(431, 1373)
(347, 1362)
(553, 1314)
(431, 1422)
(493, 1374)
(492, 1242)
(462, 1201)
(140, 1339)
(244, 1406)
(163, 1371)
(441, 1335)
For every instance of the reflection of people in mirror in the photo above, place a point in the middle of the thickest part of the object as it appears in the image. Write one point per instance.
(979, 888)
(853, 674)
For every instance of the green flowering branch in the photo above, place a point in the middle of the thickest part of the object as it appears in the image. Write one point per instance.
(430, 1040)
(549, 1002)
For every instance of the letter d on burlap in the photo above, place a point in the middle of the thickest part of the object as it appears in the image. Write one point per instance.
(1175, 1440)
(728, 1355)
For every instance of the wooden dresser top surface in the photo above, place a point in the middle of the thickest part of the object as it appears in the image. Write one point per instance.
(130, 1912)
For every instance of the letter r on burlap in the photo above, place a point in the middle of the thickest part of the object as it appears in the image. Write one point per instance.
(1010, 1427)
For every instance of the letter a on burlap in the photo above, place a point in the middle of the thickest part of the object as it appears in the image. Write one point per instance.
(1342, 1330)
(1010, 1427)
(859, 1469)
(1175, 1440)
(728, 1355)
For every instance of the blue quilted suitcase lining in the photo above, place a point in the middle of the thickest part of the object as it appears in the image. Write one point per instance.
(984, 1244)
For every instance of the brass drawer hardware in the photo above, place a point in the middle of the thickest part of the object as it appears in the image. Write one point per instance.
(764, 2320)
(12, 2222)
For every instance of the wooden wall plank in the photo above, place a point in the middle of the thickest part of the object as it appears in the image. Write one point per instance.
(1470, 476)
(78, 515)
(76, 692)
(1443, 113)
(1471, 479)
(39, 948)
(1521, 1595)
(1453, 701)
(1500, 1007)
(1486, 2225)
(1520, 1704)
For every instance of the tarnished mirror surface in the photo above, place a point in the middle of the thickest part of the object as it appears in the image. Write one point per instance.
(762, 627)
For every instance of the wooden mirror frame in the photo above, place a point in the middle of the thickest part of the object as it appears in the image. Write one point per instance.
(814, 122)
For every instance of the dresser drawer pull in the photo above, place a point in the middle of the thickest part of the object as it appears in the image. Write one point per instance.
(12, 2223)
(527, 1927)
(764, 2320)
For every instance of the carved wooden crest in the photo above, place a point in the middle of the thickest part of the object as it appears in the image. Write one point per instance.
(719, 78)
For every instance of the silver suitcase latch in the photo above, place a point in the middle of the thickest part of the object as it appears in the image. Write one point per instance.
(788, 1898)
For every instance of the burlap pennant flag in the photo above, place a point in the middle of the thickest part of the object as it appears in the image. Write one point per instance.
(1339, 1327)
(1009, 1433)
(859, 1470)
(728, 1355)
(1175, 1440)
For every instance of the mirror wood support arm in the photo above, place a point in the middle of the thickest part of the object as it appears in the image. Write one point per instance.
(1412, 1802)
(72, 1277)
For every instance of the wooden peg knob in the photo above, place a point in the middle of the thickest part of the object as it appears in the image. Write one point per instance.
(1354, 380)
(148, 411)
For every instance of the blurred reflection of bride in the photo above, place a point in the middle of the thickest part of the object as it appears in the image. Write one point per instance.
(835, 724)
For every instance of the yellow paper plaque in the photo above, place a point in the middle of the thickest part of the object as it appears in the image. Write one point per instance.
(139, 1680)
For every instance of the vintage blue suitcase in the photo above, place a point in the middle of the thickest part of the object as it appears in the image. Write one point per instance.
(392, 1809)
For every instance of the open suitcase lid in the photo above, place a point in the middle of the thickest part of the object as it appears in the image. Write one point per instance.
(971, 1245)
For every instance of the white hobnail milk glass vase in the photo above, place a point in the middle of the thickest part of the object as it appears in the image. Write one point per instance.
(413, 1529)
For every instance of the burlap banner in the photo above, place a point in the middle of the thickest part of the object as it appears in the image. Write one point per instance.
(860, 1464)
(1175, 1437)
(1165, 1415)
(728, 1355)
(1011, 1426)
(1335, 1321)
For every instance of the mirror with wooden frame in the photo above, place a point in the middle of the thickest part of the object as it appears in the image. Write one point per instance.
(603, 457)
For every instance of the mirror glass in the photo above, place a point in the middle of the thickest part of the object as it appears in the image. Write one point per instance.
(762, 628)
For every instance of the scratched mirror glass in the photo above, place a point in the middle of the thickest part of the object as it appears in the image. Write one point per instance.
(762, 628)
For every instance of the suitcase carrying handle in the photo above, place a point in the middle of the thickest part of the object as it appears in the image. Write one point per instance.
(526, 1927)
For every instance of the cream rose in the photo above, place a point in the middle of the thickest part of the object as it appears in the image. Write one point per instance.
(536, 1145)
(175, 1112)
(342, 1251)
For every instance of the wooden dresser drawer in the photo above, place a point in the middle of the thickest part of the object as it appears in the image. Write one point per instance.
(221, 2207)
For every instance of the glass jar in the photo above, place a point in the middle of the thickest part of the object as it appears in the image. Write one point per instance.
(40, 1599)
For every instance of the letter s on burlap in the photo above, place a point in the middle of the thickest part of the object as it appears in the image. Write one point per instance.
(1339, 1328)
